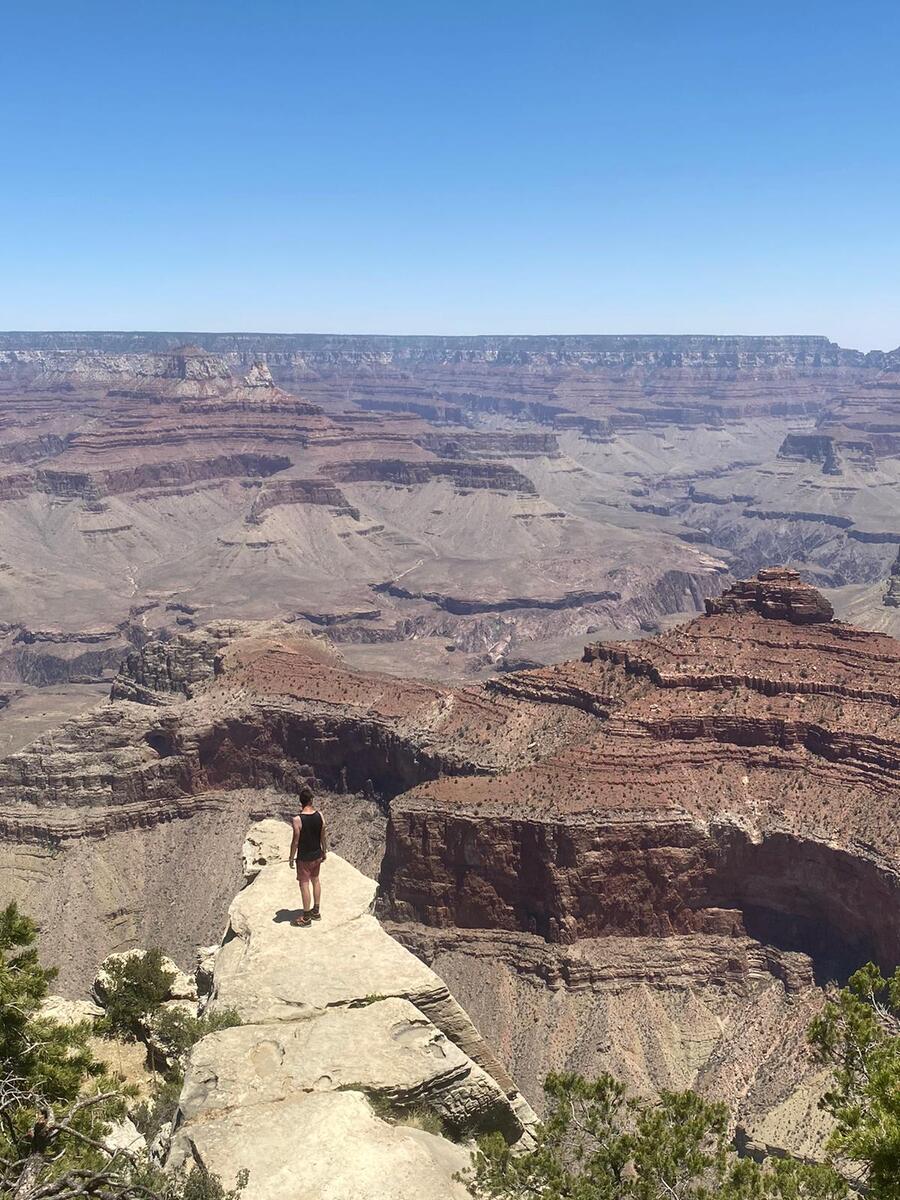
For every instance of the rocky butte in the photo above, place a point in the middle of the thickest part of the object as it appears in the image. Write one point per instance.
(649, 859)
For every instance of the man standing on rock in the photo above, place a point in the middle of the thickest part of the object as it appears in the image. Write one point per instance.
(308, 847)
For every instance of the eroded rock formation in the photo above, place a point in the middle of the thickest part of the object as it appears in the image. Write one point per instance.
(152, 490)
(778, 594)
(645, 850)
(744, 744)
(509, 496)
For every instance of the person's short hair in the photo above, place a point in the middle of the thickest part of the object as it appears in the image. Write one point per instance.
(305, 794)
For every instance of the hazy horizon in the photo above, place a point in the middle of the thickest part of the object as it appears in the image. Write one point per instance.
(225, 331)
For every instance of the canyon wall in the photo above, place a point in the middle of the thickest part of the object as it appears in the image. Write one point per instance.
(453, 507)
(643, 851)
(594, 349)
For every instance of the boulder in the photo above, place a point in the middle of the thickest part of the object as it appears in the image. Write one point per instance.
(124, 1136)
(327, 1145)
(182, 987)
(159, 1147)
(69, 1012)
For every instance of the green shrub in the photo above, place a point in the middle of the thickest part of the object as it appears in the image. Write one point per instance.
(159, 1108)
(135, 1007)
(596, 1143)
(46, 1068)
(417, 1116)
(57, 1102)
(858, 1036)
(136, 989)
(149, 1182)
(177, 1030)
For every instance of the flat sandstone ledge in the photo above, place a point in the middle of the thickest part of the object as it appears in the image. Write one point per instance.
(344, 1032)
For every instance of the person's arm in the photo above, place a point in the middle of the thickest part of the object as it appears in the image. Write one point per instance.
(324, 840)
(295, 840)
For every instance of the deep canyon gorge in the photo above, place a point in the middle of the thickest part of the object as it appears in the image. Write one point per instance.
(511, 607)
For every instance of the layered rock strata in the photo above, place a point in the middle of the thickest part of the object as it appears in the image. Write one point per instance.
(243, 706)
(696, 824)
(778, 594)
(154, 489)
(812, 353)
(728, 745)
(744, 784)
(612, 483)
(461, 474)
(727, 1016)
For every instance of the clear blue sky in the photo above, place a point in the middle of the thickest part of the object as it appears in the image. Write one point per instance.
(452, 167)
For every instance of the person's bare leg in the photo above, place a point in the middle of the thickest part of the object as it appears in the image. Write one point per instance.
(316, 889)
(302, 918)
(304, 877)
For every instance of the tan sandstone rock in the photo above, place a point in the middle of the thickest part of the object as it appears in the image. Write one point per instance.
(342, 1040)
(327, 1145)
(124, 1137)
(69, 1012)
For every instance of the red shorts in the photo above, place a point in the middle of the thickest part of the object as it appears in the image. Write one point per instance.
(308, 870)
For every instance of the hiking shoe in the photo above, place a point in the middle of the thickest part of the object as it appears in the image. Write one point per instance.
(314, 914)
(302, 921)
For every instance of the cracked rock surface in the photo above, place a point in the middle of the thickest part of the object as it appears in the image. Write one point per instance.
(347, 1037)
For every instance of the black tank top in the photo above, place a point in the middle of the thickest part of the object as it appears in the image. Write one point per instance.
(310, 836)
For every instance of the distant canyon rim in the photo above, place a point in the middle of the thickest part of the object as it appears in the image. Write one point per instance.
(451, 507)
(508, 604)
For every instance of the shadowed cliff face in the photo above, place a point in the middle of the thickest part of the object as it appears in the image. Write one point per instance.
(279, 748)
(566, 884)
